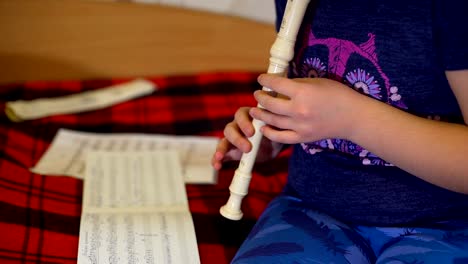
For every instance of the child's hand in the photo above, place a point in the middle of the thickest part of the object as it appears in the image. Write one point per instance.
(309, 110)
(236, 142)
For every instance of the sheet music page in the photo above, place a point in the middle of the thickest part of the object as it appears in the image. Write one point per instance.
(135, 210)
(65, 156)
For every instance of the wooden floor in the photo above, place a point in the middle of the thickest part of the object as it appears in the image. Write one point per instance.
(82, 39)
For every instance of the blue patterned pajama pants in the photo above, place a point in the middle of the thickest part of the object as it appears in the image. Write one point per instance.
(288, 232)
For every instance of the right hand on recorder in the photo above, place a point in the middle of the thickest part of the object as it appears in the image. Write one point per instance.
(235, 141)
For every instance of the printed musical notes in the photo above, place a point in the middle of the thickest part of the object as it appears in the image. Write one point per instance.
(135, 210)
(66, 154)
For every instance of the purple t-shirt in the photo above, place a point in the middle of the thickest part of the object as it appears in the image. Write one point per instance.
(395, 52)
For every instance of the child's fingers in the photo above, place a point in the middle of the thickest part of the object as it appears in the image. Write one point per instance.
(279, 105)
(243, 120)
(234, 136)
(224, 152)
(279, 84)
(220, 152)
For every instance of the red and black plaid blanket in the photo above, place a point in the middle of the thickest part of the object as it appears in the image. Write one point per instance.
(40, 214)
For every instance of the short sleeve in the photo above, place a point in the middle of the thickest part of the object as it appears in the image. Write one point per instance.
(451, 33)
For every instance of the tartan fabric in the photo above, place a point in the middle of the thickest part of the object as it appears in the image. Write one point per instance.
(40, 214)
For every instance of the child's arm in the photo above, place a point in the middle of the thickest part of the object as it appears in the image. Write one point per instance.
(458, 81)
(319, 108)
(434, 151)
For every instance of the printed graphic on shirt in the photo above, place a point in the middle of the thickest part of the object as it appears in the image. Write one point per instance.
(355, 64)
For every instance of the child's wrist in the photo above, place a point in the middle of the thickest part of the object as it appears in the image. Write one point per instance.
(358, 119)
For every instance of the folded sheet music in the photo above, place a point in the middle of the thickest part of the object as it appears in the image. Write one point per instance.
(135, 210)
(86, 101)
(65, 156)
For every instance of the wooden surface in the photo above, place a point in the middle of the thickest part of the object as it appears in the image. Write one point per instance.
(81, 39)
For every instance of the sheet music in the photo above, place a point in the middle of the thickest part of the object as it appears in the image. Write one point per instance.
(66, 154)
(135, 210)
(85, 101)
